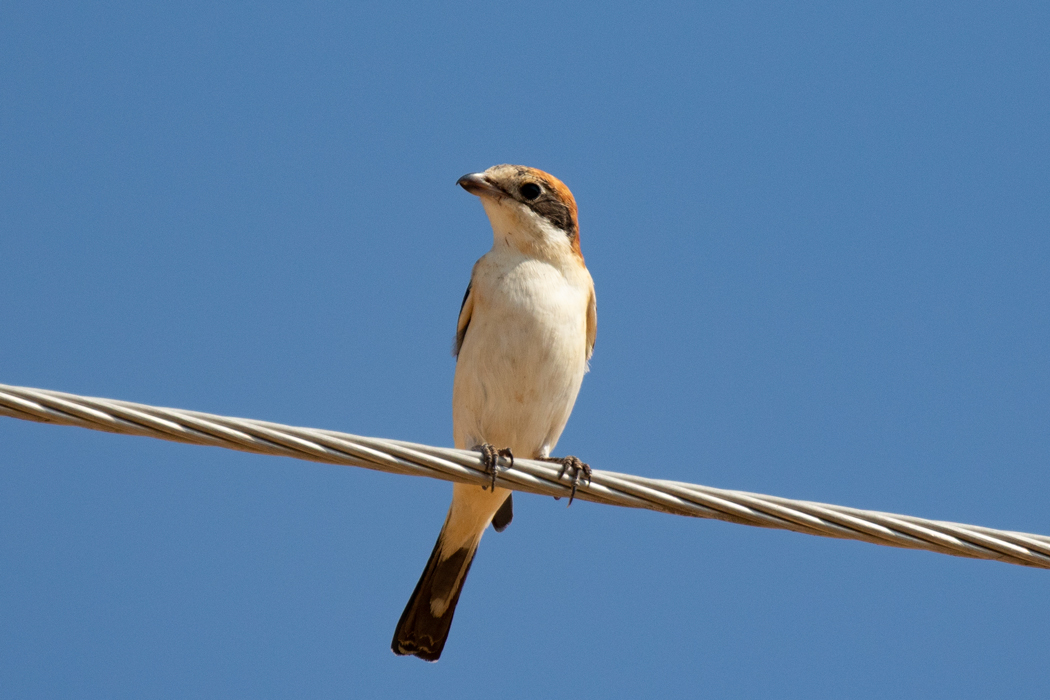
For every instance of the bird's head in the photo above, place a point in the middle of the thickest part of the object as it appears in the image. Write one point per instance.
(528, 209)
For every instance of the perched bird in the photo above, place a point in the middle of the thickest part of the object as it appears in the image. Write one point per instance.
(526, 331)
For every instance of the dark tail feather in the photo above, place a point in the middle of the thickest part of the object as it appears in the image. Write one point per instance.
(504, 515)
(419, 631)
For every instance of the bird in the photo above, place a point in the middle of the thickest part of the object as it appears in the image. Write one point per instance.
(524, 339)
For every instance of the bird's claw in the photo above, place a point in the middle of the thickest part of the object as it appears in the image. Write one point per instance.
(575, 467)
(490, 460)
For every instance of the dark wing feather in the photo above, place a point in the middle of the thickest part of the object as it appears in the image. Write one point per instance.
(465, 310)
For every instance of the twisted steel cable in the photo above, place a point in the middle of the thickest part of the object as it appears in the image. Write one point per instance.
(542, 478)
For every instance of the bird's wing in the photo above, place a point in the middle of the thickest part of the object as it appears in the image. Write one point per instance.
(592, 323)
(465, 310)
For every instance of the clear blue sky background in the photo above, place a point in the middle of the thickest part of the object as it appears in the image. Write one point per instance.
(820, 234)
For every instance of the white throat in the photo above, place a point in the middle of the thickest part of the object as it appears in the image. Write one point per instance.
(519, 227)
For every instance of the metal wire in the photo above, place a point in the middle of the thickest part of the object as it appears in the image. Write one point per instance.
(527, 475)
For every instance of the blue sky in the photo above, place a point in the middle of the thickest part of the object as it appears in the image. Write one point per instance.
(820, 235)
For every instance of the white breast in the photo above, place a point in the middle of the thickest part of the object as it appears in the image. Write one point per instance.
(524, 354)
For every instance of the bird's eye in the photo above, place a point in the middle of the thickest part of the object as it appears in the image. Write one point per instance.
(530, 190)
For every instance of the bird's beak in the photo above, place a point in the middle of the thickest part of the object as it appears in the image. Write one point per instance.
(478, 184)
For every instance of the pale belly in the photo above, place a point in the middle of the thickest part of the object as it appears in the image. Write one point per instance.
(522, 361)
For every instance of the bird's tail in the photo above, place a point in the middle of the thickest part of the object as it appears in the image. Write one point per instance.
(424, 625)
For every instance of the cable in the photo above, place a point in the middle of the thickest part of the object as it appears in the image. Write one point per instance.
(527, 475)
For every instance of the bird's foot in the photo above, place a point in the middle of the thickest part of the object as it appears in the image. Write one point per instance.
(574, 467)
(490, 460)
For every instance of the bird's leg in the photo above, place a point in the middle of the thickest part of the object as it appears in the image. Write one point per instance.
(574, 467)
(490, 460)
